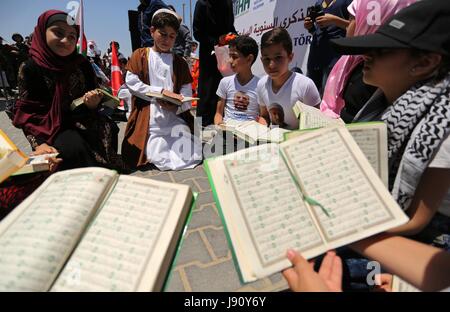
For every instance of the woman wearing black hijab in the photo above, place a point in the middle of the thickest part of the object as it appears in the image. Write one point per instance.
(212, 19)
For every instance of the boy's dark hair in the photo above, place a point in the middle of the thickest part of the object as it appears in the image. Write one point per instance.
(443, 69)
(245, 45)
(165, 20)
(276, 36)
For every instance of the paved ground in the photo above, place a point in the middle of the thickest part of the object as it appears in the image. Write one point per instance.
(205, 262)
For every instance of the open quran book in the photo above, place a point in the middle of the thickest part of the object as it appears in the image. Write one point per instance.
(312, 193)
(371, 138)
(311, 117)
(254, 132)
(93, 230)
(11, 158)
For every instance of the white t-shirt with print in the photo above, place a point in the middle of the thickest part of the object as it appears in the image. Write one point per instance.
(229, 88)
(297, 88)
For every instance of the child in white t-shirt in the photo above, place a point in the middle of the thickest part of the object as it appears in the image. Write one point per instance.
(237, 94)
(282, 87)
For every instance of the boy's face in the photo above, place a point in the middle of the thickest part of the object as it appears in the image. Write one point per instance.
(383, 68)
(276, 60)
(164, 38)
(238, 61)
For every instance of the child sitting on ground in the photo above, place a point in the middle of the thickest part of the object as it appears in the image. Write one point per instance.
(281, 85)
(158, 132)
(237, 93)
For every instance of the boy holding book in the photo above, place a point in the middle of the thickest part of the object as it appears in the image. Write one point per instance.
(237, 93)
(281, 85)
(158, 132)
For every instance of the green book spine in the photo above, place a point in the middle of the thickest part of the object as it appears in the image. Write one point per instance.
(227, 234)
(180, 242)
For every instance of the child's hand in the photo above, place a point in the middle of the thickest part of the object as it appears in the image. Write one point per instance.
(168, 106)
(54, 162)
(384, 283)
(44, 149)
(308, 24)
(92, 99)
(262, 121)
(326, 20)
(173, 95)
(218, 120)
(303, 278)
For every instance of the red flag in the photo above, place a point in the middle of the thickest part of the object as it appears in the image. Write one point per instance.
(82, 46)
(116, 73)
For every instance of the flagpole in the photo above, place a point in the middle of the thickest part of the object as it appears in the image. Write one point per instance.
(80, 39)
(190, 13)
(82, 43)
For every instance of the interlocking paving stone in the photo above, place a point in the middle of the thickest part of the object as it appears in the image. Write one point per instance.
(277, 278)
(193, 249)
(191, 183)
(205, 198)
(209, 205)
(259, 285)
(205, 217)
(203, 184)
(183, 175)
(175, 284)
(217, 278)
(218, 242)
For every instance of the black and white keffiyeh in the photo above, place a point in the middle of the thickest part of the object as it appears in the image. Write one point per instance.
(418, 122)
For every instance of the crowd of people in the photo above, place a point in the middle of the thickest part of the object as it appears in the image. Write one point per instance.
(11, 56)
(397, 72)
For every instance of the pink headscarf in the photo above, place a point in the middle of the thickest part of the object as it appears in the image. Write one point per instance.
(366, 13)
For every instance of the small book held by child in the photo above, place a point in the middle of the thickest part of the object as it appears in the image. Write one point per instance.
(171, 97)
(108, 100)
(36, 164)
